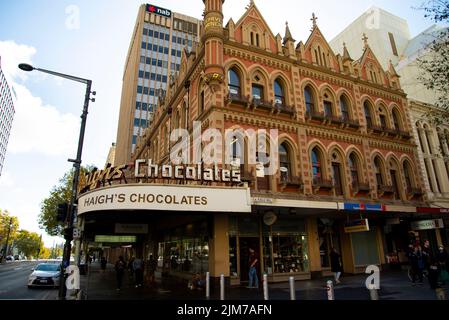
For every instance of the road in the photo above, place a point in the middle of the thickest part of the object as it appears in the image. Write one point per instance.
(13, 282)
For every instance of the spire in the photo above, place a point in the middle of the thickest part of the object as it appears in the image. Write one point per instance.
(314, 19)
(288, 35)
(346, 55)
(365, 40)
(392, 69)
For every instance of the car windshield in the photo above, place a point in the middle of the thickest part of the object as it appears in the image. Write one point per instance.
(47, 267)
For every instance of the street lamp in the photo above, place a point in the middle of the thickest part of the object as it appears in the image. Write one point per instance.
(68, 230)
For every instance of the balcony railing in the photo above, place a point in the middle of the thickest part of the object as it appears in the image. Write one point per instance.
(236, 98)
(322, 183)
(281, 108)
(360, 187)
(315, 115)
(385, 189)
(260, 103)
(390, 131)
(376, 128)
(351, 123)
(336, 119)
(405, 134)
(290, 181)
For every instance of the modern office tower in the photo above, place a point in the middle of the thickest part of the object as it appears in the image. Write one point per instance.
(6, 115)
(154, 55)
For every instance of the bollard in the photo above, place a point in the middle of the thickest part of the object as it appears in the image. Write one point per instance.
(265, 287)
(292, 288)
(330, 290)
(374, 295)
(207, 285)
(222, 287)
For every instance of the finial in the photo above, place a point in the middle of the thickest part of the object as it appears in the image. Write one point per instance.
(314, 19)
(344, 44)
(365, 39)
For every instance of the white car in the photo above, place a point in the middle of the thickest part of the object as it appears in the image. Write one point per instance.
(45, 275)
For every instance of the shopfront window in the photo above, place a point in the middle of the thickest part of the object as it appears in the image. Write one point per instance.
(286, 247)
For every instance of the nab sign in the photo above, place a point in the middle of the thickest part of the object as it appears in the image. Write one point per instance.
(159, 11)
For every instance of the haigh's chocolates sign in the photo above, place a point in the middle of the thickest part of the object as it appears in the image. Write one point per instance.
(146, 169)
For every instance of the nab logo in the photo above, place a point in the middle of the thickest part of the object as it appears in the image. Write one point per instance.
(159, 11)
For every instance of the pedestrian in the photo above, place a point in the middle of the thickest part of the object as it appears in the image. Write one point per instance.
(417, 265)
(120, 267)
(252, 261)
(336, 266)
(442, 261)
(103, 263)
(138, 271)
(130, 267)
(427, 255)
(151, 269)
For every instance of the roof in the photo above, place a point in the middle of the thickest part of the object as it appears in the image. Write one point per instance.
(422, 40)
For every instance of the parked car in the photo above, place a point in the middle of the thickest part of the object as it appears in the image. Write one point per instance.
(9, 258)
(45, 275)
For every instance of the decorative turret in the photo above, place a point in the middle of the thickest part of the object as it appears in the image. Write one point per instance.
(213, 42)
(289, 42)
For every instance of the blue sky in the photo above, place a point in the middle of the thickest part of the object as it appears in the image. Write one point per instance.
(90, 39)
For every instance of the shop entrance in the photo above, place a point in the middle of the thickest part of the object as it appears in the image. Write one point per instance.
(245, 244)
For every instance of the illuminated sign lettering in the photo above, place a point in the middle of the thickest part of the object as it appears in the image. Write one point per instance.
(157, 10)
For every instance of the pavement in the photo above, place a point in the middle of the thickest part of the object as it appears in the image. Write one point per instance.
(394, 285)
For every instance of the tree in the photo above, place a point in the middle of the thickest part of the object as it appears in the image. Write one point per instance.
(5, 219)
(27, 242)
(435, 63)
(59, 194)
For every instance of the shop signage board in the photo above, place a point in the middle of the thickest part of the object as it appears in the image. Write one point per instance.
(158, 197)
(131, 228)
(364, 206)
(115, 239)
(357, 226)
(427, 224)
(158, 10)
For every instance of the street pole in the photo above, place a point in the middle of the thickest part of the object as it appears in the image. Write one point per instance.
(68, 236)
(39, 247)
(72, 210)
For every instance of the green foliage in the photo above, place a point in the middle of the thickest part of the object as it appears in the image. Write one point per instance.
(435, 63)
(5, 219)
(59, 194)
(28, 242)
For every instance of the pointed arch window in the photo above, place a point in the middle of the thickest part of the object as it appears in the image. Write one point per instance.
(279, 96)
(408, 175)
(233, 82)
(368, 117)
(284, 162)
(344, 107)
(316, 164)
(353, 168)
(328, 112)
(396, 122)
(309, 98)
(378, 168)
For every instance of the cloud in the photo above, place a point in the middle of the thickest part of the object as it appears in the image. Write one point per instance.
(37, 127)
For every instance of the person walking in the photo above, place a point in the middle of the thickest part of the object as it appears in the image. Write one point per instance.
(120, 267)
(138, 271)
(417, 264)
(103, 263)
(253, 279)
(442, 261)
(336, 266)
(151, 269)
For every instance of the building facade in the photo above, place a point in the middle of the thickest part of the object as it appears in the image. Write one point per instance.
(154, 55)
(391, 41)
(6, 115)
(341, 143)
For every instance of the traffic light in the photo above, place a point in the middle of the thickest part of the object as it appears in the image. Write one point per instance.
(63, 209)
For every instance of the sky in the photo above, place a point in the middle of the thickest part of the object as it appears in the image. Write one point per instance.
(90, 39)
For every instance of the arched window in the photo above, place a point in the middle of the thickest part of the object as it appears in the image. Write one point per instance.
(337, 174)
(328, 108)
(368, 117)
(279, 96)
(316, 164)
(233, 82)
(421, 142)
(378, 168)
(284, 162)
(428, 133)
(396, 122)
(383, 118)
(408, 175)
(354, 169)
(201, 103)
(309, 98)
(344, 107)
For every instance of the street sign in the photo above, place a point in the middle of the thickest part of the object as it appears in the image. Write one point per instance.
(357, 226)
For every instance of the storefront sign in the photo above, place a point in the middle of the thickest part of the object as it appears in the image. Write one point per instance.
(432, 210)
(166, 198)
(357, 226)
(262, 200)
(114, 239)
(427, 224)
(159, 11)
(131, 228)
(364, 206)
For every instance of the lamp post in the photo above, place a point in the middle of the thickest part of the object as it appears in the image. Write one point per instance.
(68, 230)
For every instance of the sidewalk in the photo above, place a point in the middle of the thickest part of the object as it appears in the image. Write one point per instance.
(395, 285)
